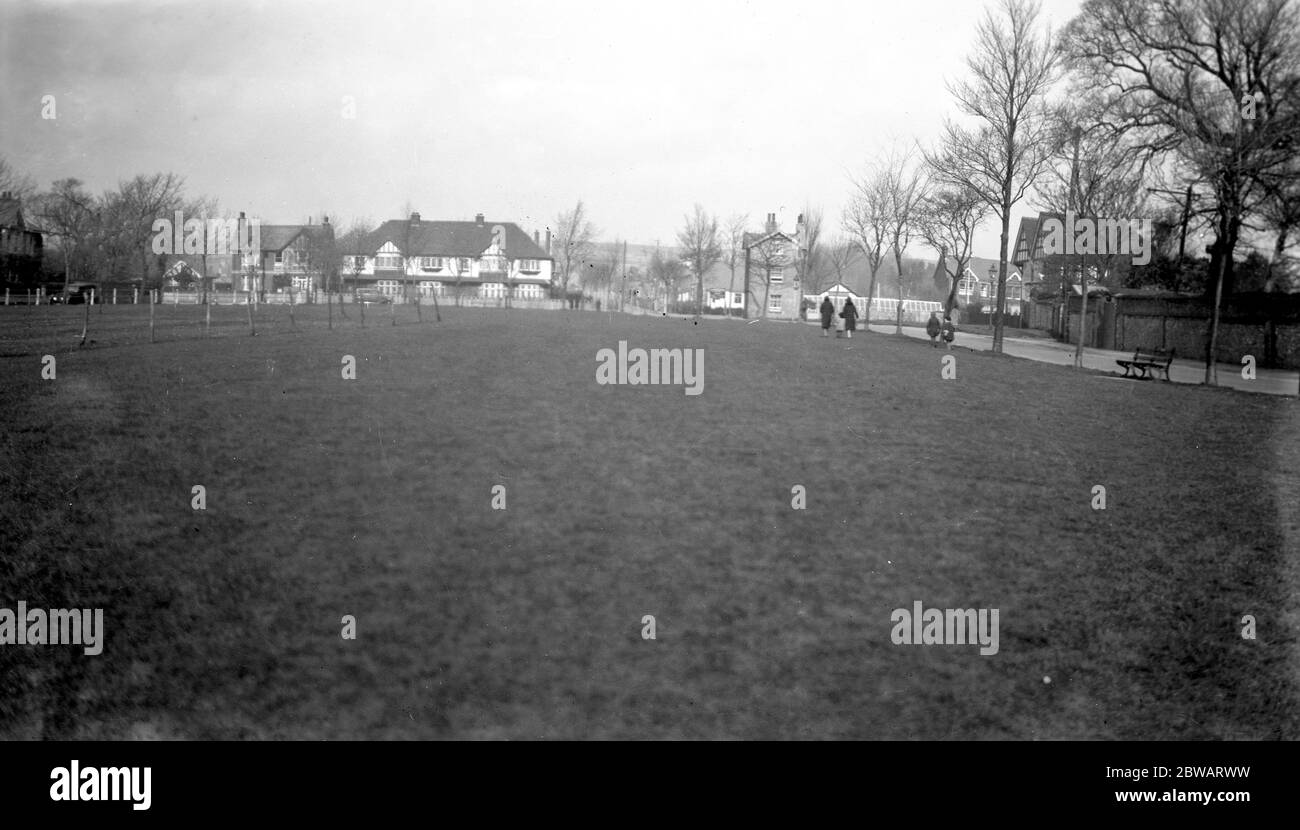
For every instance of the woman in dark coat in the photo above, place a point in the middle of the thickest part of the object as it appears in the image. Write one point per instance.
(850, 315)
(828, 315)
(932, 329)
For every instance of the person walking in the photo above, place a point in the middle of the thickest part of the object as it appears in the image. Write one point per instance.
(949, 331)
(932, 329)
(850, 315)
(828, 313)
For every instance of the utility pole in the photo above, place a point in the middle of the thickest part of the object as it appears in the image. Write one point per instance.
(746, 309)
(1070, 206)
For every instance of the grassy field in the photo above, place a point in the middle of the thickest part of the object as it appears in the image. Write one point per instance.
(372, 497)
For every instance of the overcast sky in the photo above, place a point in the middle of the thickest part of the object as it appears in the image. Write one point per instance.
(512, 109)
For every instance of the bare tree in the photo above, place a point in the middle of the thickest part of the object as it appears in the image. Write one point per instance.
(733, 250)
(812, 253)
(701, 248)
(1214, 82)
(70, 213)
(667, 272)
(866, 222)
(840, 255)
(19, 185)
(137, 203)
(947, 220)
(1012, 69)
(905, 184)
(353, 248)
(575, 240)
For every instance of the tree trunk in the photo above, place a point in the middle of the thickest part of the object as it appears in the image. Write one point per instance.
(898, 263)
(871, 294)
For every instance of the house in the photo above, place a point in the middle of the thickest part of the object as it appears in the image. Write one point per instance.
(771, 272)
(978, 284)
(21, 248)
(289, 256)
(478, 259)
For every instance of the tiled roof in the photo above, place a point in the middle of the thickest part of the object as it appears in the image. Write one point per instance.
(451, 239)
(279, 237)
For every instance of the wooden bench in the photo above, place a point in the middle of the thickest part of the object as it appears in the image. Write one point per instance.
(1146, 362)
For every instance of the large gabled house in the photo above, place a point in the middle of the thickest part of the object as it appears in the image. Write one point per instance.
(478, 259)
(289, 257)
(771, 272)
(21, 247)
(978, 284)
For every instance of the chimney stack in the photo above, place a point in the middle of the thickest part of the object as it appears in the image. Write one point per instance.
(548, 241)
(537, 239)
(478, 219)
(771, 223)
(415, 218)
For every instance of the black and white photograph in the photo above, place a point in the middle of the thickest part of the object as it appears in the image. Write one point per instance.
(650, 371)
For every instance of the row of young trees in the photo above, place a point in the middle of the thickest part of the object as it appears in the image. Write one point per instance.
(1180, 110)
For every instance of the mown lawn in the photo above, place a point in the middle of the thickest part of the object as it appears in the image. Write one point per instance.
(372, 497)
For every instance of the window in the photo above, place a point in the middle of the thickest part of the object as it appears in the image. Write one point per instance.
(431, 263)
(429, 288)
(530, 265)
(358, 263)
(774, 303)
(738, 298)
(389, 286)
(279, 257)
(387, 261)
(491, 263)
(776, 276)
(462, 265)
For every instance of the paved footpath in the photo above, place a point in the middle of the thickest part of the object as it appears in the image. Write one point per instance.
(1268, 381)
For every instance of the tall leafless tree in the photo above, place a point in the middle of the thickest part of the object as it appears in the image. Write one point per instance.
(947, 220)
(1215, 83)
(575, 242)
(905, 183)
(701, 247)
(866, 222)
(1013, 67)
(733, 250)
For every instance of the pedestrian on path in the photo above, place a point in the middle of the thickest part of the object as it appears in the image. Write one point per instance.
(828, 313)
(949, 331)
(850, 315)
(932, 329)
